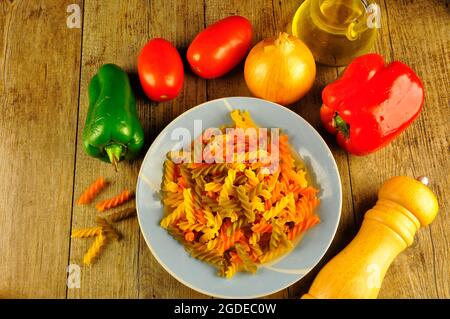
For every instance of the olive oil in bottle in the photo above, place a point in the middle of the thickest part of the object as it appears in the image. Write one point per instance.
(336, 31)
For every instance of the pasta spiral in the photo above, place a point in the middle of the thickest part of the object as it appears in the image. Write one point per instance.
(170, 219)
(107, 228)
(114, 201)
(238, 215)
(121, 215)
(92, 191)
(96, 248)
(245, 203)
(86, 232)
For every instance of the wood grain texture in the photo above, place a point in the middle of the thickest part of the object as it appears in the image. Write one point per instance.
(43, 92)
(39, 72)
(261, 15)
(425, 145)
(308, 108)
(154, 281)
(413, 273)
(268, 19)
(113, 32)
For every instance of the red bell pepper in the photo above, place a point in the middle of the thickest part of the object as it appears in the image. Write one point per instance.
(371, 104)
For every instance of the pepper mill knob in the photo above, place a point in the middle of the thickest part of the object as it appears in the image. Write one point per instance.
(423, 179)
(404, 205)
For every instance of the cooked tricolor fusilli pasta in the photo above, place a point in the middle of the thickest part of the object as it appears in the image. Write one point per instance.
(238, 215)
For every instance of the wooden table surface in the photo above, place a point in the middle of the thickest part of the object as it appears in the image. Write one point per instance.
(45, 68)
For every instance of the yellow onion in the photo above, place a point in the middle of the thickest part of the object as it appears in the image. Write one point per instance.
(280, 70)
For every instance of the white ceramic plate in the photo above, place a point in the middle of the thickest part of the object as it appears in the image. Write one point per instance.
(270, 278)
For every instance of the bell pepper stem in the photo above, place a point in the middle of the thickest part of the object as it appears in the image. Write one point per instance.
(115, 164)
(114, 152)
(341, 126)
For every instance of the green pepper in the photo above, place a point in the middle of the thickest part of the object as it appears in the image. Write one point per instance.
(112, 131)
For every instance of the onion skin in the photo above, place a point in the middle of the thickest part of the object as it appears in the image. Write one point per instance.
(280, 70)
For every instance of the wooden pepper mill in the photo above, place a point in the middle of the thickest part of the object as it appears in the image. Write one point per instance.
(404, 204)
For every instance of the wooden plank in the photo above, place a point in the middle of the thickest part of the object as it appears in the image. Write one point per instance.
(113, 32)
(265, 15)
(413, 273)
(268, 18)
(261, 15)
(178, 22)
(426, 48)
(308, 108)
(39, 76)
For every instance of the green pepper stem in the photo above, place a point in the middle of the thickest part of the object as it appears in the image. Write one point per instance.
(341, 126)
(114, 152)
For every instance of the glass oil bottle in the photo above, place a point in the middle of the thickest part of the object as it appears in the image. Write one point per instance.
(337, 31)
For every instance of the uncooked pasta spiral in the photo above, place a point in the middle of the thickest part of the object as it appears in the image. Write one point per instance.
(114, 201)
(95, 249)
(86, 232)
(121, 215)
(107, 229)
(92, 191)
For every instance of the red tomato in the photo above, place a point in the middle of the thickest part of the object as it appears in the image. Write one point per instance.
(220, 47)
(160, 70)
